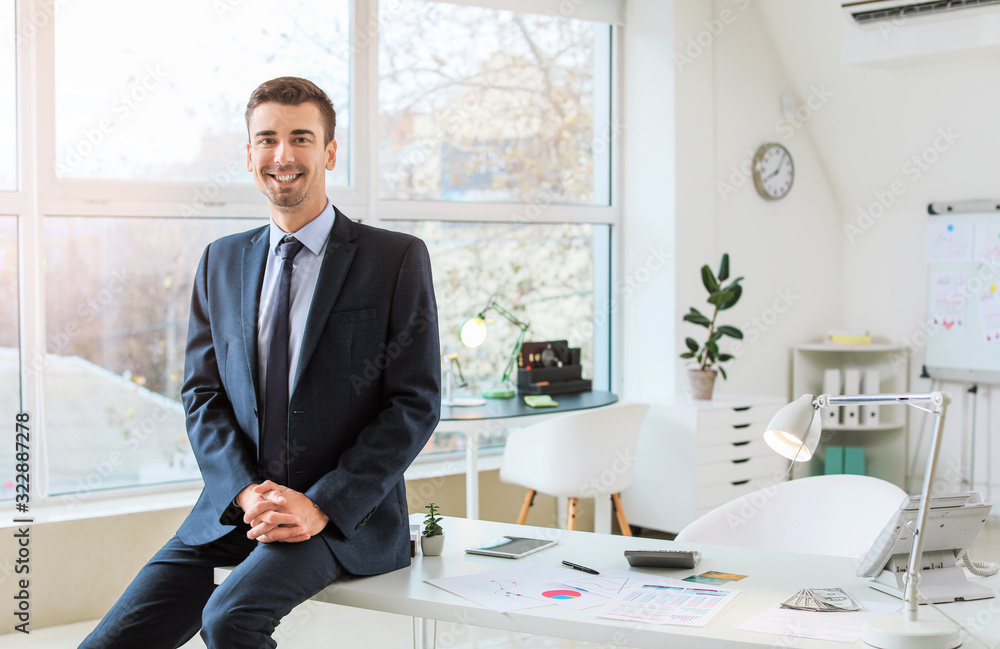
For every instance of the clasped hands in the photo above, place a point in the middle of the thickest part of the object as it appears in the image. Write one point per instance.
(278, 513)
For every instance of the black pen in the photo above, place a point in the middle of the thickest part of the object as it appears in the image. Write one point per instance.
(576, 566)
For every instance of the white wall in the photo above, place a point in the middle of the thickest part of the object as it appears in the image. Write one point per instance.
(727, 80)
(878, 119)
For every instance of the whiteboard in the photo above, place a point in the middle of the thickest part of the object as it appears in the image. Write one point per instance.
(963, 297)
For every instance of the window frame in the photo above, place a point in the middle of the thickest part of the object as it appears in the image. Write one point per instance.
(41, 194)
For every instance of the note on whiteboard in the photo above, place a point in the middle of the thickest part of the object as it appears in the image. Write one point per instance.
(949, 242)
(948, 300)
(989, 311)
(987, 243)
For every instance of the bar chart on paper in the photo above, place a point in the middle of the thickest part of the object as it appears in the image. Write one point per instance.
(667, 604)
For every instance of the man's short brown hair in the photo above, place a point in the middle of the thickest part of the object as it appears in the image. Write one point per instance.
(292, 91)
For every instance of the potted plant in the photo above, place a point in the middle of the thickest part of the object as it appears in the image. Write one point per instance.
(432, 539)
(707, 355)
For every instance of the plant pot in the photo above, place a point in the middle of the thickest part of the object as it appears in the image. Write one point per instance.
(701, 382)
(432, 545)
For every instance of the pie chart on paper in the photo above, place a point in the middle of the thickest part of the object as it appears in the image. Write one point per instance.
(561, 594)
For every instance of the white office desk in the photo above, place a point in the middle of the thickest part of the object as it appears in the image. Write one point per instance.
(772, 577)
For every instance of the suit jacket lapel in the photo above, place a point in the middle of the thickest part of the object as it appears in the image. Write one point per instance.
(337, 260)
(254, 259)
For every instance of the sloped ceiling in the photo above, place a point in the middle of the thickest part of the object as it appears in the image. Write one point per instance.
(879, 122)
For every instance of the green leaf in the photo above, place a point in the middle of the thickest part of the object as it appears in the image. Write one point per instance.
(691, 343)
(724, 267)
(708, 279)
(687, 355)
(712, 348)
(730, 331)
(697, 319)
(723, 372)
(720, 297)
(725, 357)
(715, 335)
(735, 291)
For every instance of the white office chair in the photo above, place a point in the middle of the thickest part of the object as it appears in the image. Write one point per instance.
(837, 515)
(588, 454)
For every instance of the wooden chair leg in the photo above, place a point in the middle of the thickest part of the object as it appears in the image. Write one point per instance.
(529, 499)
(620, 511)
(571, 514)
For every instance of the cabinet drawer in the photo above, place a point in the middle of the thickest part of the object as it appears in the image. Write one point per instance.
(747, 414)
(733, 433)
(737, 450)
(766, 467)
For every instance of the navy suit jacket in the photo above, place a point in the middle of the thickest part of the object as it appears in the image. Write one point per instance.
(365, 397)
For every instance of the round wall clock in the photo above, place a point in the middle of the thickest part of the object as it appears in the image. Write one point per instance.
(773, 171)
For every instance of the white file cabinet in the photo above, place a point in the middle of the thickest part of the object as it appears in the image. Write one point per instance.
(696, 455)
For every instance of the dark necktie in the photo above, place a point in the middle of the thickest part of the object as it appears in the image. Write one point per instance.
(274, 442)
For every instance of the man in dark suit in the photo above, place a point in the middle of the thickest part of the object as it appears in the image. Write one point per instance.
(295, 314)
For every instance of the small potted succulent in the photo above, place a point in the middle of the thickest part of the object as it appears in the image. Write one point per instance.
(432, 538)
(707, 356)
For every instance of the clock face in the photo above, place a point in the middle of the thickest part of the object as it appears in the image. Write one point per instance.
(773, 171)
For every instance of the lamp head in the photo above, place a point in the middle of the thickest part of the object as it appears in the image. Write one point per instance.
(473, 331)
(795, 430)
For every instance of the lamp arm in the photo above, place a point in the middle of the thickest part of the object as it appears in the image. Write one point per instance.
(939, 406)
(506, 314)
(523, 326)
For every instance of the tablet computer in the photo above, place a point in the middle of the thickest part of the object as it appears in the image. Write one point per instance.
(511, 547)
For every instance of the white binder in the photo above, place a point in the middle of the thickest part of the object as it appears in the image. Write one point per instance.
(870, 384)
(852, 387)
(831, 386)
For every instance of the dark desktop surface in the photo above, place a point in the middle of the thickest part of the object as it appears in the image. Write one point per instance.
(515, 406)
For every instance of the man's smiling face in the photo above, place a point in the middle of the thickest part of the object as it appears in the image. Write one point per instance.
(288, 157)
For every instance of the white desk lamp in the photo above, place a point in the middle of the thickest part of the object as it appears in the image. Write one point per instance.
(794, 433)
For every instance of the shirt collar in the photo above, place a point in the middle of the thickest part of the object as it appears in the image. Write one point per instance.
(312, 235)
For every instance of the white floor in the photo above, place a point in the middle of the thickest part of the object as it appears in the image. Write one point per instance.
(315, 625)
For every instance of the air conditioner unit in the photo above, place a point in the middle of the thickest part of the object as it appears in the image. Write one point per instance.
(893, 31)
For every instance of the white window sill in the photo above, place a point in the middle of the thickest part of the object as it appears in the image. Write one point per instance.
(61, 509)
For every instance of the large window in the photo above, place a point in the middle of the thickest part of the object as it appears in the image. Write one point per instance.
(10, 381)
(483, 131)
(484, 105)
(118, 294)
(157, 92)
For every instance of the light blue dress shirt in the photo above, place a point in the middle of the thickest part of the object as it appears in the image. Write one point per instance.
(305, 273)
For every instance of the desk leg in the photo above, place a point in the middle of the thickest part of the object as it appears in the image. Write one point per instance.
(424, 634)
(472, 476)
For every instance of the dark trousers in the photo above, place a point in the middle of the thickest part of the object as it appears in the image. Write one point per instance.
(174, 595)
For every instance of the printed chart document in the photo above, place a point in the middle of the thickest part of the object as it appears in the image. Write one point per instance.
(680, 603)
(837, 626)
(519, 587)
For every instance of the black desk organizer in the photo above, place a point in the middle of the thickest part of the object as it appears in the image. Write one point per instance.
(551, 367)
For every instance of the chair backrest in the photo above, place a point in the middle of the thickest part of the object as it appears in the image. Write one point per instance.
(585, 454)
(838, 515)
